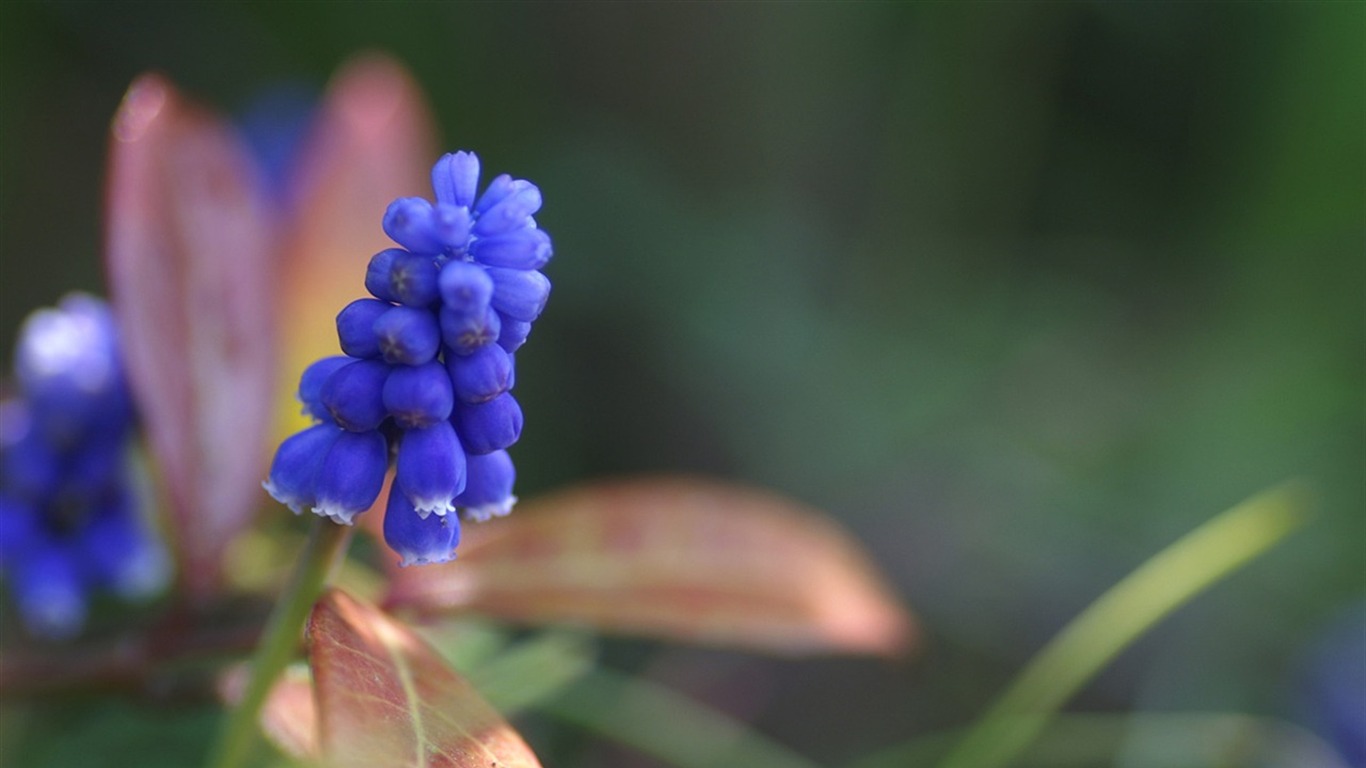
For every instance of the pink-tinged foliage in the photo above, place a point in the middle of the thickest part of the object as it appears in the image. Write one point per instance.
(678, 558)
(289, 717)
(190, 259)
(195, 259)
(372, 142)
(386, 698)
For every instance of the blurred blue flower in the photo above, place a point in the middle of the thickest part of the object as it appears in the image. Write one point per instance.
(275, 124)
(1334, 690)
(69, 513)
(428, 368)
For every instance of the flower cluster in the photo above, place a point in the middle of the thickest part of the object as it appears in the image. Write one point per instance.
(427, 369)
(69, 514)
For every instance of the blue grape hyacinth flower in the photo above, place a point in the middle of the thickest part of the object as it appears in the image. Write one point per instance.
(1332, 685)
(424, 383)
(69, 511)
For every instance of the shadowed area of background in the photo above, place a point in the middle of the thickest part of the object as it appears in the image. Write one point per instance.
(1019, 293)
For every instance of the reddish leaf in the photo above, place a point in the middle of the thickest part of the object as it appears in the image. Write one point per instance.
(386, 698)
(290, 716)
(683, 559)
(189, 260)
(371, 143)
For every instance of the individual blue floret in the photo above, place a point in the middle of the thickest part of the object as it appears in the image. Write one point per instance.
(379, 274)
(455, 179)
(512, 334)
(466, 288)
(490, 426)
(311, 385)
(431, 468)
(464, 334)
(354, 395)
(489, 479)
(356, 327)
(411, 222)
(408, 335)
(452, 225)
(413, 279)
(519, 294)
(351, 475)
(293, 479)
(481, 375)
(419, 395)
(419, 539)
(498, 189)
(526, 248)
(511, 212)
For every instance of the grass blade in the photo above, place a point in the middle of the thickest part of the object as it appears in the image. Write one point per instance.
(1121, 615)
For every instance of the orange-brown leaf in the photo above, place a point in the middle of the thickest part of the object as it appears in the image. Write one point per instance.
(386, 698)
(683, 559)
(189, 255)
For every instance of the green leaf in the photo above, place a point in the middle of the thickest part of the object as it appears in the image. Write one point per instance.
(109, 733)
(533, 670)
(1130, 608)
(664, 723)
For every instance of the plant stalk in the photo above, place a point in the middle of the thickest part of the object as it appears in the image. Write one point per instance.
(239, 734)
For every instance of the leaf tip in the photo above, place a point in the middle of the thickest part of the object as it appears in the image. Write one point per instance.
(373, 90)
(141, 105)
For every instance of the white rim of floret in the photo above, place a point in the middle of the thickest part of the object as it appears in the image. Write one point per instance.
(439, 505)
(485, 512)
(410, 559)
(296, 504)
(336, 513)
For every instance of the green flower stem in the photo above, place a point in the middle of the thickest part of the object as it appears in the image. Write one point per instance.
(1124, 613)
(280, 641)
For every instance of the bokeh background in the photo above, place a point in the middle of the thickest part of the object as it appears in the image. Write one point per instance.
(1020, 293)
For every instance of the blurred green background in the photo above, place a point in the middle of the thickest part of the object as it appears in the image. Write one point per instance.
(1018, 292)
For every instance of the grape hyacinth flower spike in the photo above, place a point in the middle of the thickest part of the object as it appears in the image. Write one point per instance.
(424, 382)
(69, 511)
